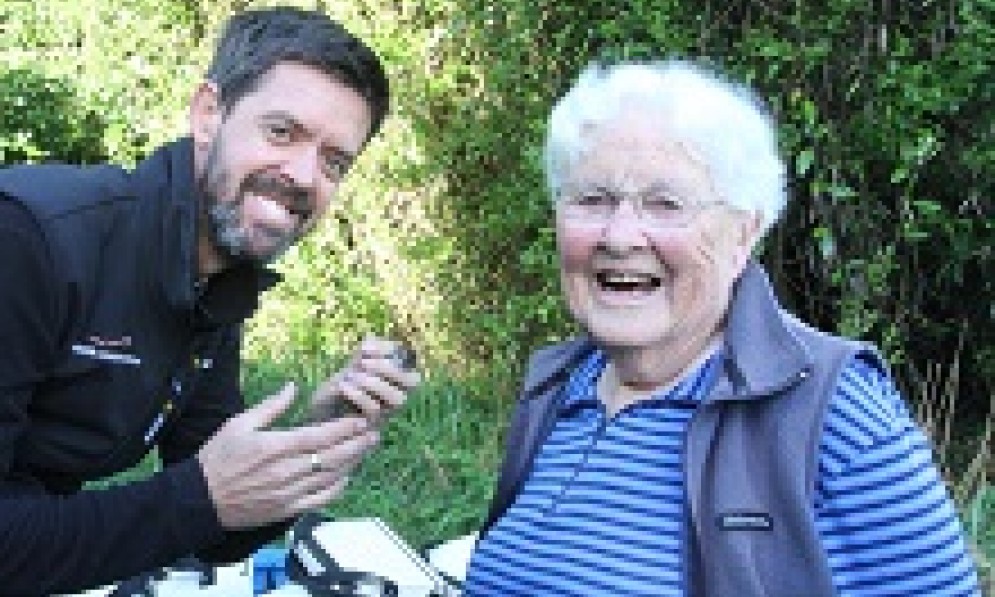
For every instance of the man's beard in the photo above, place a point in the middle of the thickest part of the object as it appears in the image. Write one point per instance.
(225, 232)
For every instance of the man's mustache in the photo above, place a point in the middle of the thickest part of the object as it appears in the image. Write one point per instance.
(295, 199)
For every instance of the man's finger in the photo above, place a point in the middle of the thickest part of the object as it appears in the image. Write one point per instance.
(369, 407)
(269, 409)
(387, 369)
(315, 471)
(319, 436)
(318, 499)
(376, 347)
(380, 390)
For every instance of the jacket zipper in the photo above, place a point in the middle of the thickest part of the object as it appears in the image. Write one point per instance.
(158, 415)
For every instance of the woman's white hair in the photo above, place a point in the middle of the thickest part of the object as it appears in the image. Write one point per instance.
(722, 123)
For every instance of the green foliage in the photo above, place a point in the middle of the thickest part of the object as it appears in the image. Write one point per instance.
(131, 66)
(41, 120)
(443, 233)
(443, 236)
(433, 474)
(979, 521)
(891, 132)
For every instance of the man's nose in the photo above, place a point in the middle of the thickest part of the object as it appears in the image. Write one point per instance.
(302, 167)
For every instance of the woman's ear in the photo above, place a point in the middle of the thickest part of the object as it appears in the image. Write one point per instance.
(748, 226)
(206, 114)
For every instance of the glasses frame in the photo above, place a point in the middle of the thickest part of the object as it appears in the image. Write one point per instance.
(567, 205)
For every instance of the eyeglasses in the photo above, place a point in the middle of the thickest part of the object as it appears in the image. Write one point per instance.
(658, 208)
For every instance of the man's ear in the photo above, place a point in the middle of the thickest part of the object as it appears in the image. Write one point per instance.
(206, 114)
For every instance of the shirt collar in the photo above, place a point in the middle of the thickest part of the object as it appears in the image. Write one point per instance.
(580, 390)
(232, 295)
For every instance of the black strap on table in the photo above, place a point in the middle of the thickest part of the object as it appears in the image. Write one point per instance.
(206, 573)
(311, 567)
(144, 584)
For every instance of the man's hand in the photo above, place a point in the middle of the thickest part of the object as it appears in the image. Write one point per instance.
(257, 476)
(374, 384)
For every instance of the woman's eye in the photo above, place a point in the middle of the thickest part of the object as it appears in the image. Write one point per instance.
(594, 199)
(662, 203)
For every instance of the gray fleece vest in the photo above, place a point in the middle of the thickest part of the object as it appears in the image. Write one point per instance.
(751, 450)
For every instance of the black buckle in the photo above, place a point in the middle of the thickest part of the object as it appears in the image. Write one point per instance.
(348, 584)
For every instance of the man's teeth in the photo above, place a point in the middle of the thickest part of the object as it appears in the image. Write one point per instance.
(284, 205)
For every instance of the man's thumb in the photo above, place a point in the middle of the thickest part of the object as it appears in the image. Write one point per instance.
(270, 408)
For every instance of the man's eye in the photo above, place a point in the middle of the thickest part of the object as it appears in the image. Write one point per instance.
(278, 132)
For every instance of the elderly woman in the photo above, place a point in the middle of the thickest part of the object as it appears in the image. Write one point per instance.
(698, 440)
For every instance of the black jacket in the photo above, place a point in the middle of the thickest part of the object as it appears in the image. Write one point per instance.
(108, 348)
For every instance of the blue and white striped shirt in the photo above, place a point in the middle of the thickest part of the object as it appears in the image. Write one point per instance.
(602, 512)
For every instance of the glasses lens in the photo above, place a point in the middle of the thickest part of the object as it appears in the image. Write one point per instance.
(589, 206)
(663, 210)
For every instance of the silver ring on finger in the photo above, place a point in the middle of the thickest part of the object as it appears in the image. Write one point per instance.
(316, 464)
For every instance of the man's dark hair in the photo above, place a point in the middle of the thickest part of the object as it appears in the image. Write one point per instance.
(257, 40)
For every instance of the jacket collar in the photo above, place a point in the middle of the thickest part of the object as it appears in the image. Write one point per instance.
(761, 353)
(554, 364)
(165, 183)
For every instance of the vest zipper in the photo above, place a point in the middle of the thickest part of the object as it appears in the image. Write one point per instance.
(687, 527)
(704, 400)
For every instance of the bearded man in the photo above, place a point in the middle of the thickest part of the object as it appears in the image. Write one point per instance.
(122, 295)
